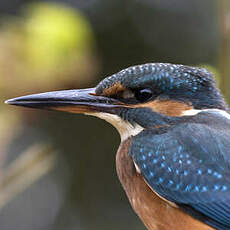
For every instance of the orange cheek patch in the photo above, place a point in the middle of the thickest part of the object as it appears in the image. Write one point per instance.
(115, 89)
(167, 107)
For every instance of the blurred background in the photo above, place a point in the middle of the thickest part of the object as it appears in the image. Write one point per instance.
(57, 171)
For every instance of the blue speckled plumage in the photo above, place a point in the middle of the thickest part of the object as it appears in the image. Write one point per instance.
(178, 82)
(167, 76)
(192, 168)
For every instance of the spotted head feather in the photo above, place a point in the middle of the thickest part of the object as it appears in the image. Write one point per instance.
(168, 81)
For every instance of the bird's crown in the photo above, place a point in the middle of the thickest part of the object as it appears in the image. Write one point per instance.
(147, 82)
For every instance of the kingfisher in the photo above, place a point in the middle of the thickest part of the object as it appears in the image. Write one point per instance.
(174, 157)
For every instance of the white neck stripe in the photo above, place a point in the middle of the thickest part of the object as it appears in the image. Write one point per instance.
(127, 130)
(124, 128)
(193, 112)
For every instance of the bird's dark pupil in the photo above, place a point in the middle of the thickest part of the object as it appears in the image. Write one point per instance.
(143, 95)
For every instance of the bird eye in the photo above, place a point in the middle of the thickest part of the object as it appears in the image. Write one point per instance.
(143, 95)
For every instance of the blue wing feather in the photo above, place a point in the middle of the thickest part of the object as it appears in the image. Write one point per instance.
(189, 164)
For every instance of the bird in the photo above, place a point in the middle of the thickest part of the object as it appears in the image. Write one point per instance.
(174, 157)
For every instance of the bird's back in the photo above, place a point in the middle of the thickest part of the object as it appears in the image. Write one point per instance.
(155, 212)
(187, 165)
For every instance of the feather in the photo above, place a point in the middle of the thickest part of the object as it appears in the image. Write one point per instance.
(189, 164)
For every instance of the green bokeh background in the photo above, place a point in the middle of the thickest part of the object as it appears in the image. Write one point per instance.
(51, 45)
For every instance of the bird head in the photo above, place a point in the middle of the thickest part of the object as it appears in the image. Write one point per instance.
(138, 97)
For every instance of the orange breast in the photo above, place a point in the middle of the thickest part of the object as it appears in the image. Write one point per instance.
(155, 213)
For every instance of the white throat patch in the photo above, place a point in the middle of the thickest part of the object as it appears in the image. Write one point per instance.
(193, 112)
(124, 128)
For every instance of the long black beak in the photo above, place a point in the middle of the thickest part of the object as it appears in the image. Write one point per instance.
(74, 101)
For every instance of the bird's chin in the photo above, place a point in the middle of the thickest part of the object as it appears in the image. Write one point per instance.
(72, 101)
